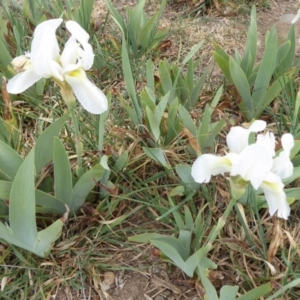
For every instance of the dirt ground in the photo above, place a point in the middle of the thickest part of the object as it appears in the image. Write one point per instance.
(229, 30)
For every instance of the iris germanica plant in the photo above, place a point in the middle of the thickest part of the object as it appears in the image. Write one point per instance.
(256, 164)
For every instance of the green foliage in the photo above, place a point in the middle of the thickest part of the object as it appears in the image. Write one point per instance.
(18, 175)
(140, 33)
(185, 174)
(50, 148)
(161, 103)
(165, 130)
(37, 11)
(188, 252)
(178, 250)
(10, 134)
(230, 292)
(206, 131)
(183, 87)
(136, 114)
(22, 231)
(158, 155)
(5, 57)
(287, 111)
(162, 120)
(258, 86)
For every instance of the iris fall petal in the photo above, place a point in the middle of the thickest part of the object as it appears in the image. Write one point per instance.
(208, 165)
(90, 97)
(22, 81)
(272, 187)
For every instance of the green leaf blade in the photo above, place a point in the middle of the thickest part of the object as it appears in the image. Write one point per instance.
(84, 185)
(46, 238)
(10, 162)
(44, 144)
(241, 83)
(62, 173)
(266, 69)
(22, 203)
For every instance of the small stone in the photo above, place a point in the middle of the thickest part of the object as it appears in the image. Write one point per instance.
(110, 277)
(159, 298)
(109, 280)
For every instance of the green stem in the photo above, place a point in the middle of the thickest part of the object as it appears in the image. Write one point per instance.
(78, 144)
(102, 119)
(69, 98)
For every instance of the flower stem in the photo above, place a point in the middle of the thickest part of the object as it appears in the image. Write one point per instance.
(78, 144)
(69, 98)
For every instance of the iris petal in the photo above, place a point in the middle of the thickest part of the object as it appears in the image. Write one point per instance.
(253, 164)
(69, 55)
(238, 137)
(287, 141)
(208, 165)
(258, 125)
(275, 196)
(296, 18)
(267, 140)
(45, 50)
(22, 81)
(87, 55)
(282, 165)
(90, 97)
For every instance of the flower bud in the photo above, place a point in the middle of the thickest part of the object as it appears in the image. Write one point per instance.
(21, 63)
(238, 187)
(67, 95)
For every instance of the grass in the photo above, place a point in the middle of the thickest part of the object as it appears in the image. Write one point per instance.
(132, 199)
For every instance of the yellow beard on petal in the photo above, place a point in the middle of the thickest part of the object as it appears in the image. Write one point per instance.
(75, 73)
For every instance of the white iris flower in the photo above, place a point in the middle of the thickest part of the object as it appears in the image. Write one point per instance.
(296, 18)
(67, 69)
(255, 163)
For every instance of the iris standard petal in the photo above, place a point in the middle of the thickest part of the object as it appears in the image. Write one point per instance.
(44, 52)
(287, 142)
(77, 31)
(90, 97)
(238, 137)
(208, 165)
(282, 165)
(272, 187)
(258, 125)
(22, 81)
(253, 164)
(69, 55)
(267, 140)
(53, 23)
(296, 18)
(87, 54)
